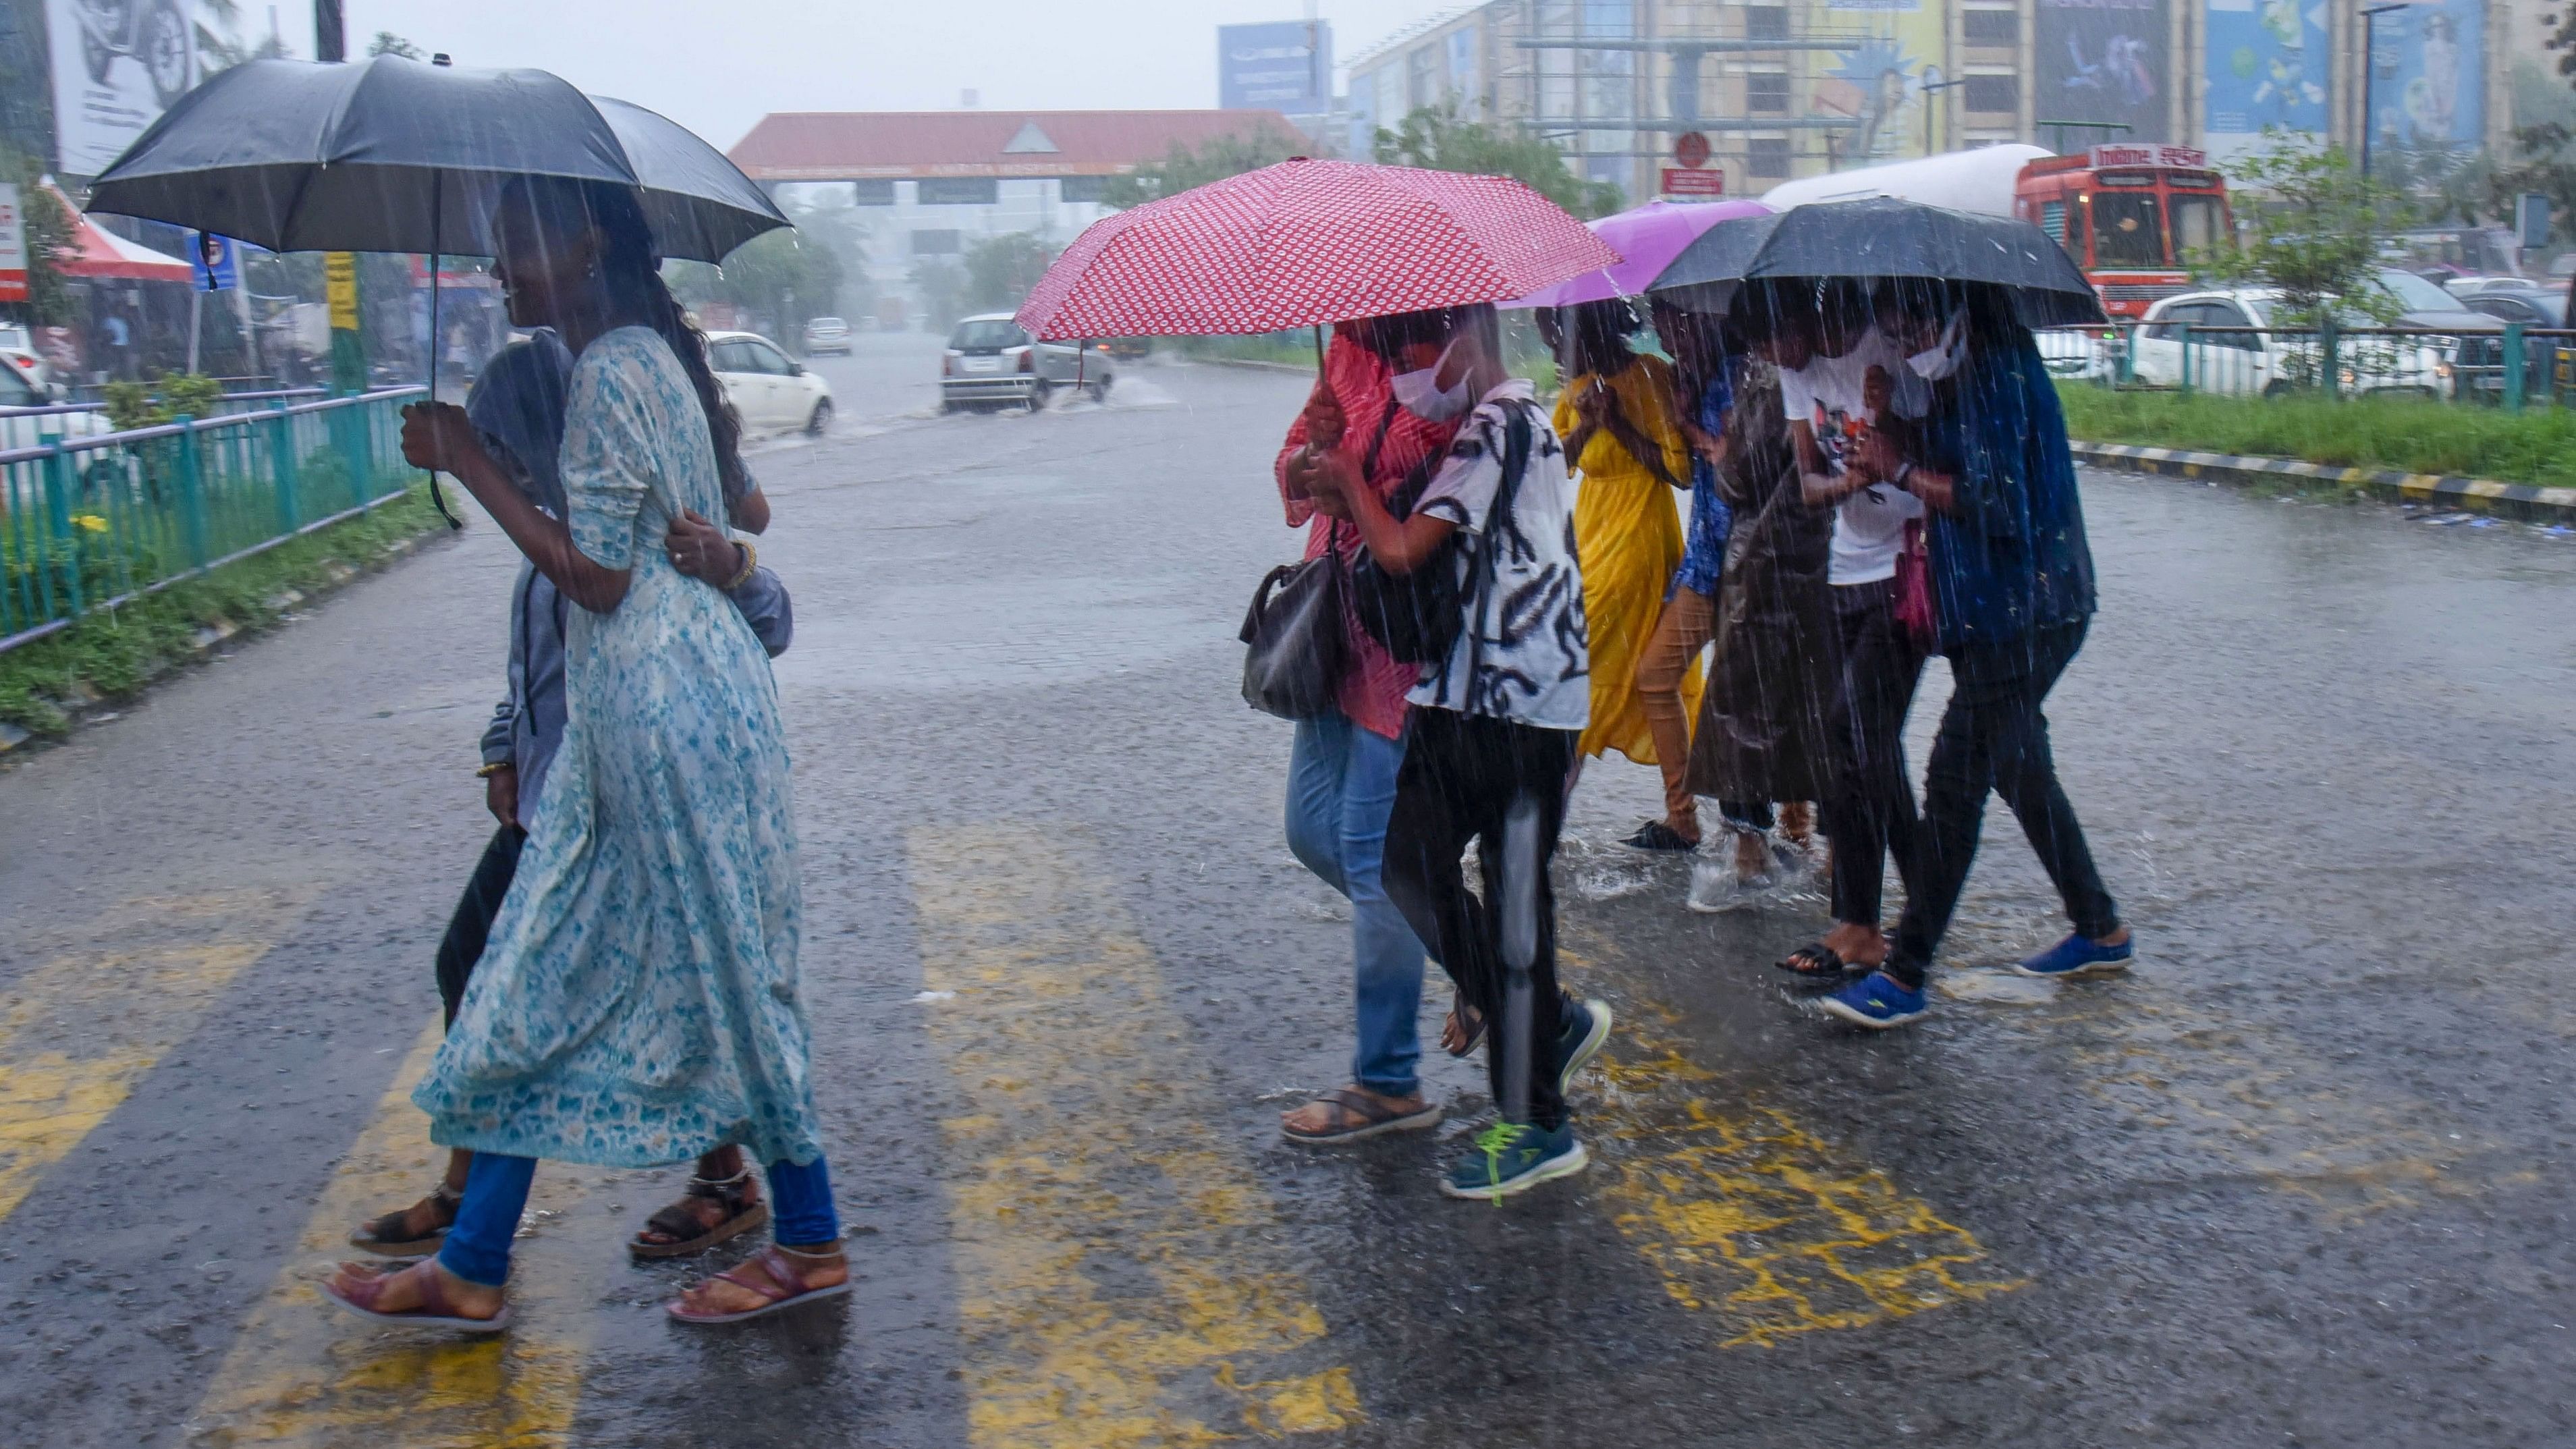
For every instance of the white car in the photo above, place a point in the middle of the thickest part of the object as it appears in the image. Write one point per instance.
(827, 334)
(32, 429)
(18, 351)
(2268, 364)
(774, 393)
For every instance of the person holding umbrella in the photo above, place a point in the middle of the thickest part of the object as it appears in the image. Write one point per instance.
(1496, 722)
(637, 1003)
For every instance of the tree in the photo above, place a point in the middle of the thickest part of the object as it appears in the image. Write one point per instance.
(1000, 270)
(1182, 168)
(388, 43)
(777, 277)
(2314, 233)
(825, 218)
(941, 285)
(1442, 139)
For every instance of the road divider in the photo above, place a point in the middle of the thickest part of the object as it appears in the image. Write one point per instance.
(2525, 502)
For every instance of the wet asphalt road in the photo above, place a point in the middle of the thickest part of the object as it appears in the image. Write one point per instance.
(2302, 1178)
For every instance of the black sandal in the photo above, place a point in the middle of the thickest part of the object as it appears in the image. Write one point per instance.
(1656, 838)
(1816, 960)
(689, 1233)
(1469, 1024)
(390, 1236)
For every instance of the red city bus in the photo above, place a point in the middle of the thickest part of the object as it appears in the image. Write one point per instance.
(2135, 218)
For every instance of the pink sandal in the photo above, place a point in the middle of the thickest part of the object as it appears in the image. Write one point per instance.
(436, 1309)
(774, 1262)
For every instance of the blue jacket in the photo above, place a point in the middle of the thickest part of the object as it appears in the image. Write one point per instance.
(2011, 556)
(518, 407)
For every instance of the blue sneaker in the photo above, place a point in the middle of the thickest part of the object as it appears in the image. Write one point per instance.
(1876, 1001)
(2076, 956)
(1513, 1157)
(1587, 1029)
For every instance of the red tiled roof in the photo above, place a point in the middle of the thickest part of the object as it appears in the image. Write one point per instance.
(850, 145)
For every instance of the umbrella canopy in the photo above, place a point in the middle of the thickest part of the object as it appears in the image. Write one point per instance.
(1307, 242)
(1648, 237)
(389, 155)
(1885, 237)
(100, 254)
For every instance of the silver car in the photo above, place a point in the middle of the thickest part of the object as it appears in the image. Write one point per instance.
(992, 362)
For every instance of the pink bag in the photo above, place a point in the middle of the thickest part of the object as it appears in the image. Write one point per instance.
(1914, 586)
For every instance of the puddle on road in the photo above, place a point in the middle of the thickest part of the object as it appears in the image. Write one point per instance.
(1993, 988)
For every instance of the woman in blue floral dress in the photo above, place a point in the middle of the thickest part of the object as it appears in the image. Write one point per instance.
(637, 1003)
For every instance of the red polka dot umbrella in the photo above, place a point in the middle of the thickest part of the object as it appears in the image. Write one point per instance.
(1307, 242)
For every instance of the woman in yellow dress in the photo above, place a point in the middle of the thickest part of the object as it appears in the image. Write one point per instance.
(1616, 416)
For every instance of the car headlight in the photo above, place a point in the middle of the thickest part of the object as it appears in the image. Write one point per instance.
(2442, 370)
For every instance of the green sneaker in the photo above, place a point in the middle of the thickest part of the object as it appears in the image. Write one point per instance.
(1513, 1157)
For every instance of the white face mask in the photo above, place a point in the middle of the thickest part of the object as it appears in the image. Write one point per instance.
(1419, 392)
(1946, 356)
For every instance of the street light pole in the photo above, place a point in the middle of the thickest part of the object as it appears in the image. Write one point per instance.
(2369, 73)
(330, 31)
(1927, 88)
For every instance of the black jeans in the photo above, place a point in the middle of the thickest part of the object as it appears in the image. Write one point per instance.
(1993, 737)
(1461, 774)
(1869, 808)
(471, 926)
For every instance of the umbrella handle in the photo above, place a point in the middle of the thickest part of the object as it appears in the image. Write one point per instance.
(437, 210)
(1319, 351)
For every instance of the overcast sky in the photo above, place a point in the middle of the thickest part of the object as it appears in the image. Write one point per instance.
(717, 66)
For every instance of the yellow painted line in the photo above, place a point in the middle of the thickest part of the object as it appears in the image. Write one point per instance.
(77, 1034)
(302, 1372)
(1122, 1279)
(1754, 1218)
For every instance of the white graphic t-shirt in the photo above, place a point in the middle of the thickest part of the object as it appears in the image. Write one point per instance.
(1830, 395)
(1524, 654)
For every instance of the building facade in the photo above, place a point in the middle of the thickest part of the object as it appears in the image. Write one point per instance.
(1789, 88)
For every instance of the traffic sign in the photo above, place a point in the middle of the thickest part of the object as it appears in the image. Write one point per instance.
(1689, 182)
(217, 260)
(1691, 149)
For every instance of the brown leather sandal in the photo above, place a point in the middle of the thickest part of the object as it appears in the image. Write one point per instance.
(436, 1309)
(391, 1236)
(1352, 1115)
(784, 1288)
(687, 1231)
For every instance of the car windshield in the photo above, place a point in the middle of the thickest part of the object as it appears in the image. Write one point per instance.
(989, 334)
(2126, 230)
(2414, 293)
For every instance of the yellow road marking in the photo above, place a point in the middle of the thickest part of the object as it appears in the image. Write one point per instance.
(1120, 1274)
(302, 1372)
(77, 1033)
(1749, 1215)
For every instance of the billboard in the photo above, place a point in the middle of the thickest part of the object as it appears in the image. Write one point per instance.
(2108, 61)
(1285, 66)
(1879, 82)
(116, 68)
(13, 247)
(2268, 66)
(2428, 75)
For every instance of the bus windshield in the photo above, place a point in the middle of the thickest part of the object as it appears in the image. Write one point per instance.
(2199, 227)
(2126, 230)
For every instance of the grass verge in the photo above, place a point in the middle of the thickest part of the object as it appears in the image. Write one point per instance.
(113, 654)
(2537, 445)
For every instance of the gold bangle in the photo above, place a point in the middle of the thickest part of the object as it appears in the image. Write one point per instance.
(750, 563)
(495, 768)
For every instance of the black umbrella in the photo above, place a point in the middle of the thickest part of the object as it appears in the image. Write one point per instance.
(1885, 237)
(389, 155)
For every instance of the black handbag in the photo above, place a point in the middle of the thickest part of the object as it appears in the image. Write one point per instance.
(1419, 615)
(1294, 642)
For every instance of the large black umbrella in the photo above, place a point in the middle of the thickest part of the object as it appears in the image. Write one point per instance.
(1885, 237)
(389, 155)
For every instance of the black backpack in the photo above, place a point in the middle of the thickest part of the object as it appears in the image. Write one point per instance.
(1419, 615)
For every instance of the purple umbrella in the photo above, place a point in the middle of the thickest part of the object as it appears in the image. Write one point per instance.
(1649, 236)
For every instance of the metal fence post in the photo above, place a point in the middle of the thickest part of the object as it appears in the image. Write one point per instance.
(2128, 335)
(192, 495)
(58, 525)
(2182, 332)
(281, 461)
(2514, 379)
(2332, 359)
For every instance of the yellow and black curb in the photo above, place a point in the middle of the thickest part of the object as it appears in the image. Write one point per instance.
(2524, 502)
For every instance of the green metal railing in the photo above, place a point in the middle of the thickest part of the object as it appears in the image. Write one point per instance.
(2513, 367)
(89, 522)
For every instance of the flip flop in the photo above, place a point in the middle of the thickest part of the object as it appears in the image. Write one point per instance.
(1471, 1027)
(1362, 1116)
(381, 1236)
(780, 1271)
(436, 1309)
(1821, 962)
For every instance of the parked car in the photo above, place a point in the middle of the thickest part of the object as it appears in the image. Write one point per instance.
(18, 352)
(991, 361)
(774, 393)
(2546, 360)
(2267, 363)
(827, 334)
(30, 430)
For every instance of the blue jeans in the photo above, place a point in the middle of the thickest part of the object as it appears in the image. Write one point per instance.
(496, 1192)
(1341, 787)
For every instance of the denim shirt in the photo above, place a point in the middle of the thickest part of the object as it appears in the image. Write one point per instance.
(1704, 544)
(2010, 557)
(518, 407)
